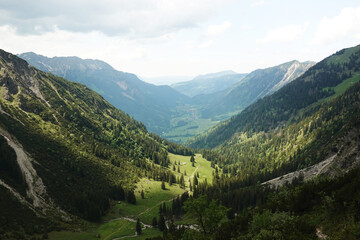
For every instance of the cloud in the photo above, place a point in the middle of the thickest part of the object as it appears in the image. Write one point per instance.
(258, 3)
(346, 24)
(287, 33)
(135, 18)
(215, 30)
(206, 44)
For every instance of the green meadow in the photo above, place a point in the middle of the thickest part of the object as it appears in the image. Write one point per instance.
(114, 226)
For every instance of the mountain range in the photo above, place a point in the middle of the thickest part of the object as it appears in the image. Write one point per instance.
(297, 126)
(303, 141)
(67, 156)
(163, 110)
(208, 83)
(153, 105)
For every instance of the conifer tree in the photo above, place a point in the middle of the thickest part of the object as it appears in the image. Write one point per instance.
(195, 181)
(161, 223)
(154, 221)
(138, 227)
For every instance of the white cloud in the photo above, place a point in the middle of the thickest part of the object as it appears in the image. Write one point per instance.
(287, 33)
(258, 3)
(135, 18)
(64, 43)
(346, 24)
(215, 30)
(206, 44)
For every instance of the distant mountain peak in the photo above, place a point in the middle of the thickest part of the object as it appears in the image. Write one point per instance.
(216, 74)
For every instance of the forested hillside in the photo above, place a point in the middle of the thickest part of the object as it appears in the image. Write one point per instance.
(163, 110)
(75, 150)
(291, 103)
(321, 127)
(150, 104)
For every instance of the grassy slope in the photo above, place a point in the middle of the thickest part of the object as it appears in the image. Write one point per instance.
(145, 209)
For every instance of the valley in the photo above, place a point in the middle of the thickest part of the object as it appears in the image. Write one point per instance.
(119, 221)
(179, 112)
(284, 166)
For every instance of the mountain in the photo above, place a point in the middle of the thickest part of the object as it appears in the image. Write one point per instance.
(303, 142)
(162, 109)
(207, 110)
(208, 83)
(153, 105)
(166, 80)
(299, 125)
(290, 103)
(65, 151)
(252, 87)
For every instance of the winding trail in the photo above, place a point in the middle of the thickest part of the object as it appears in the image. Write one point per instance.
(320, 235)
(108, 237)
(192, 175)
(151, 208)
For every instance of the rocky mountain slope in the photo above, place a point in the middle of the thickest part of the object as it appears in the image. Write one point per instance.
(150, 104)
(65, 151)
(162, 109)
(252, 87)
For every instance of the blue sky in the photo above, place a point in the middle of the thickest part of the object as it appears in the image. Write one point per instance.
(178, 37)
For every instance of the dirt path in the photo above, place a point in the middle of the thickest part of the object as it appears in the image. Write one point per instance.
(149, 209)
(108, 237)
(320, 235)
(192, 175)
(143, 212)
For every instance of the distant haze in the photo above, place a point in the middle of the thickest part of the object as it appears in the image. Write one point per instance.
(166, 80)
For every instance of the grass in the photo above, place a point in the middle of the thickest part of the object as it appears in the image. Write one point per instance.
(72, 236)
(202, 166)
(145, 209)
(342, 87)
(193, 126)
(116, 229)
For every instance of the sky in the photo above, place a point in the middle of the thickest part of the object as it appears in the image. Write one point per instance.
(157, 38)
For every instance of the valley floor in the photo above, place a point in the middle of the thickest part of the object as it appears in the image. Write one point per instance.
(120, 221)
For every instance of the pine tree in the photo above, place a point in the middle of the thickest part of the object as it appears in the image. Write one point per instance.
(182, 181)
(138, 227)
(142, 194)
(161, 223)
(195, 180)
(154, 222)
(163, 185)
